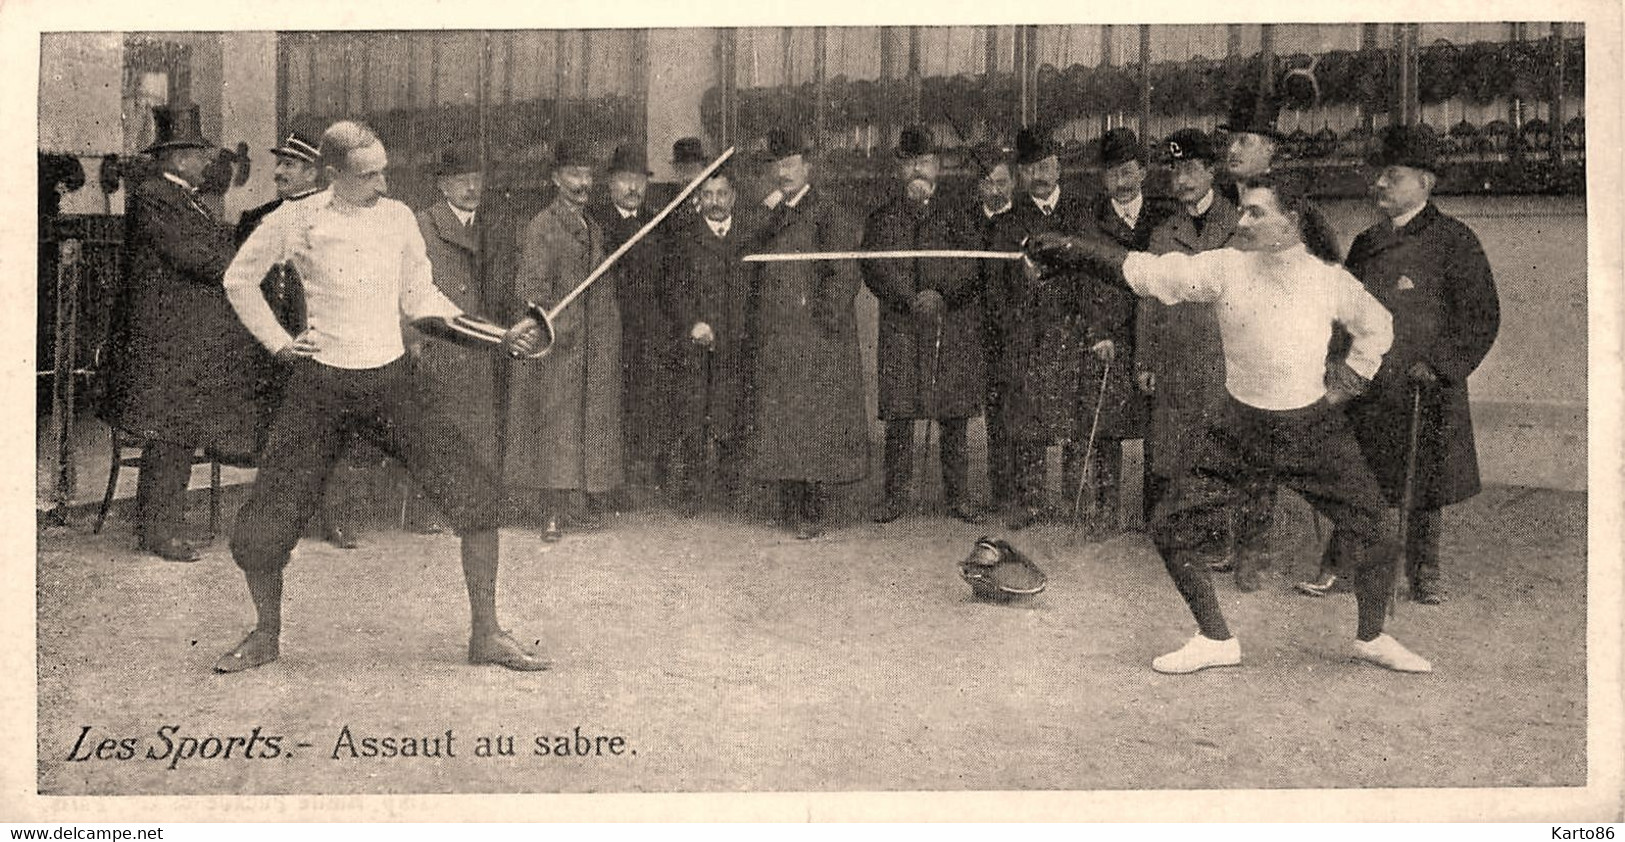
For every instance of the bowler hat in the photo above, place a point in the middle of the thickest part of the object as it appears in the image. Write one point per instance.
(1119, 146)
(177, 127)
(1033, 145)
(915, 141)
(457, 160)
(1406, 146)
(569, 153)
(1253, 111)
(782, 144)
(1190, 145)
(629, 157)
(689, 150)
(298, 145)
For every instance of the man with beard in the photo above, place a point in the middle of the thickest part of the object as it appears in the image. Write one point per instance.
(806, 371)
(1282, 422)
(564, 416)
(1429, 270)
(709, 299)
(1001, 281)
(646, 335)
(929, 351)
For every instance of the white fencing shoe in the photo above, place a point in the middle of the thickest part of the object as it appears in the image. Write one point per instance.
(1387, 652)
(1199, 653)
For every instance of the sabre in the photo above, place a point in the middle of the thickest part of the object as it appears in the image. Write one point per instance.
(905, 254)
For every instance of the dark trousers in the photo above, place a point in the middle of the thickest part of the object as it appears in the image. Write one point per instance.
(899, 459)
(693, 465)
(1105, 475)
(1245, 454)
(1421, 547)
(1027, 486)
(1001, 447)
(160, 491)
(325, 405)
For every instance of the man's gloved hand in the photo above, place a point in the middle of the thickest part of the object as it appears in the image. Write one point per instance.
(1105, 350)
(702, 335)
(1422, 374)
(1147, 381)
(1343, 383)
(523, 338)
(928, 307)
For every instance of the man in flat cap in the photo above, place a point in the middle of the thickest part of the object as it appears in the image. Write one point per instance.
(929, 352)
(807, 376)
(1108, 391)
(1430, 271)
(183, 370)
(647, 337)
(1178, 359)
(564, 416)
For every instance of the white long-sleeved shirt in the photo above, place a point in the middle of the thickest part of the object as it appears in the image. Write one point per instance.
(1276, 311)
(363, 269)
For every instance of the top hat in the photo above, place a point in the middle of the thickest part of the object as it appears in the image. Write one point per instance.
(1190, 145)
(568, 153)
(1033, 145)
(1406, 146)
(177, 127)
(298, 145)
(915, 141)
(689, 150)
(629, 157)
(457, 161)
(782, 144)
(1253, 112)
(1119, 146)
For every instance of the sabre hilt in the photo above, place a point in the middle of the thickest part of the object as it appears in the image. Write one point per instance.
(474, 332)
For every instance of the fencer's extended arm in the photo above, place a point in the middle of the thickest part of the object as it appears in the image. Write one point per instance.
(1090, 251)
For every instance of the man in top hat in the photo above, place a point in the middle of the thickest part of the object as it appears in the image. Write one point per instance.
(994, 215)
(647, 337)
(1430, 271)
(1046, 327)
(1178, 359)
(1111, 407)
(929, 353)
(564, 416)
(298, 174)
(688, 158)
(709, 299)
(1255, 148)
(365, 271)
(455, 380)
(807, 376)
(184, 370)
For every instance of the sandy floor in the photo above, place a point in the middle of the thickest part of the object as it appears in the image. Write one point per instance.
(730, 657)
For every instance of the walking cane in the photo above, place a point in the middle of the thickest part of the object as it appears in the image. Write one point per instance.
(1089, 449)
(931, 411)
(1408, 496)
(707, 445)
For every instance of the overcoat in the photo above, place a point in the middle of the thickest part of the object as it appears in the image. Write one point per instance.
(182, 368)
(564, 410)
(453, 380)
(807, 379)
(646, 332)
(1433, 276)
(1109, 314)
(710, 284)
(917, 379)
(1045, 331)
(1179, 344)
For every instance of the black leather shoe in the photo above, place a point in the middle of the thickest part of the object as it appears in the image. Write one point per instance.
(1325, 584)
(342, 537)
(256, 650)
(172, 549)
(502, 650)
(1023, 517)
(429, 527)
(965, 512)
(551, 533)
(1428, 593)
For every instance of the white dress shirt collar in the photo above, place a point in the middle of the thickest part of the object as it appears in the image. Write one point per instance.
(720, 228)
(800, 194)
(465, 217)
(1405, 218)
(1129, 213)
(1048, 205)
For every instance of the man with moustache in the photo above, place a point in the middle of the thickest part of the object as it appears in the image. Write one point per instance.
(362, 261)
(298, 174)
(646, 335)
(1108, 390)
(564, 416)
(1045, 344)
(806, 371)
(1001, 280)
(1254, 148)
(709, 300)
(1282, 422)
(1178, 359)
(929, 350)
(1430, 271)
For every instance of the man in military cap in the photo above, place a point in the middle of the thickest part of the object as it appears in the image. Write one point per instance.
(1108, 391)
(564, 416)
(1178, 359)
(929, 352)
(183, 370)
(647, 339)
(1430, 271)
(807, 376)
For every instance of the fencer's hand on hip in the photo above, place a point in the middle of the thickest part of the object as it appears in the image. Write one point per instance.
(1105, 350)
(303, 347)
(702, 335)
(521, 339)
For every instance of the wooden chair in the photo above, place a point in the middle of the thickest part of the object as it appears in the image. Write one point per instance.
(126, 441)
